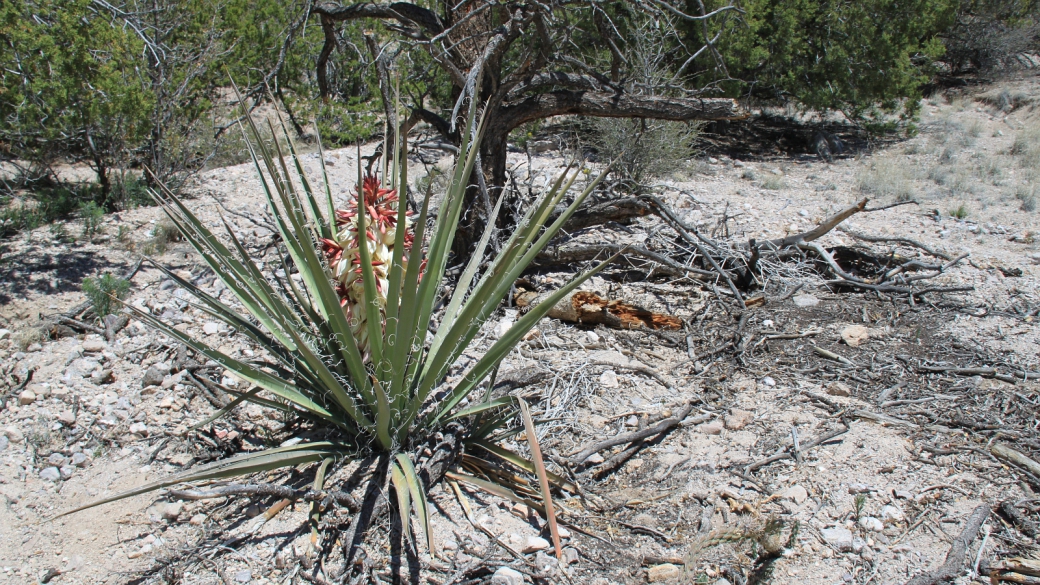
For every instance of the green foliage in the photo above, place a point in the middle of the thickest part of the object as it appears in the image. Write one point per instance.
(368, 390)
(864, 58)
(103, 293)
(960, 212)
(92, 215)
(643, 149)
(70, 85)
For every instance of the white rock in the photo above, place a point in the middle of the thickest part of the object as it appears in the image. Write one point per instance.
(805, 301)
(768, 381)
(139, 429)
(26, 397)
(854, 335)
(14, 434)
(5, 334)
(839, 538)
(80, 459)
(796, 494)
(891, 514)
(593, 337)
(662, 573)
(243, 576)
(50, 474)
(211, 328)
(507, 576)
(595, 459)
(197, 520)
(608, 379)
(534, 544)
(172, 511)
(570, 556)
(872, 524)
(93, 345)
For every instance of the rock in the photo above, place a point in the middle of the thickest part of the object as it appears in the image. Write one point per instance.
(5, 334)
(608, 379)
(738, 419)
(197, 520)
(891, 514)
(26, 397)
(545, 563)
(839, 538)
(595, 459)
(570, 556)
(4, 442)
(535, 544)
(50, 474)
(805, 301)
(507, 576)
(67, 418)
(243, 576)
(903, 494)
(796, 494)
(663, 573)
(14, 434)
(563, 532)
(102, 377)
(711, 428)
(872, 524)
(153, 376)
(838, 389)
(139, 429)
(93, 345)
(67, 471)
(861, 488)
(57, 459)
(854, 335)
(80, 459)
(211, 328)
(858, 544)
(172, 510)
(768, 381)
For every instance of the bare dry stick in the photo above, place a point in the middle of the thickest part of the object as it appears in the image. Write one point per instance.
(543, 478)
(625, 438)
(1009, 455)
(789, 455)
(955, 558)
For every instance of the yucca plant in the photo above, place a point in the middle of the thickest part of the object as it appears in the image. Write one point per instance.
(346, 345)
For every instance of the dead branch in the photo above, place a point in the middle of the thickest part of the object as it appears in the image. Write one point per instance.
(896, 240)
(664, 425)
(589, 308)
(820, 230)
(790, 454)
(1009, 455)
(955, 558)
(1024, 525)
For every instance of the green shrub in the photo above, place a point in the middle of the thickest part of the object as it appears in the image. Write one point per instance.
(351, 361)
(960, 212)
(103, 293)
(643, 149)
(92, 215)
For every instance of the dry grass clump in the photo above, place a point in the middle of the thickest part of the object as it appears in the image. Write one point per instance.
(163, 234)
(887, 178)
(1026, 147)
(1007, 100)
(1027, 195)
(774, 183)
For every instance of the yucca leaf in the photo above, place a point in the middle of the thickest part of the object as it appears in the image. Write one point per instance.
(418, 495)
(543, 477)
(482, 407)
(494, 489)
(231, 406)
(239, 465)
(524, 464)
(403, 498)
(505, 344)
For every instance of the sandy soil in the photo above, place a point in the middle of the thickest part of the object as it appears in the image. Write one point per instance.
(875, 504)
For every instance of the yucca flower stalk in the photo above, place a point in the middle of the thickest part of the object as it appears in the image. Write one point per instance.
(345, 347)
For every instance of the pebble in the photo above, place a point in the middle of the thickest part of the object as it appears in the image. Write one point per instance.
(80, 459)
(796, 494)
(197, 520)
(768, 381)
(839, 538)
(608, 379)
(534, 544)
(4, 442)
(172, 510)
(711, 428)
(153, 376)
(67, 417)
(872, 524)
(738, 419)
(211, 328)
(244, 576)
(57, 459)
(139, 429)
(594, 459)
(5, 334)
(891, 514)
(93, 345)
(662, 573)
(854, 335)
(14, 434)
(507, 576)
(67, 471)
(570, 556)
(838, 389)
(805, 301)
(50, 474)
(26, 397)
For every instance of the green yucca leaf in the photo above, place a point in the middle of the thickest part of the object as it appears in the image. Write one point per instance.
(404, 497)
(525, 464)
(418, 497)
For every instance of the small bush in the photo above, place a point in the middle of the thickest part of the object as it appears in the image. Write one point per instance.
(1027, 146)
(102, 292)
(959, 213)
(886, 178)
(644, 149)
(92, 215)
(1027, 195)
(163, 234)
(774, 183)
(26, 337)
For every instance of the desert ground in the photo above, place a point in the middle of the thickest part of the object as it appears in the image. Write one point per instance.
(895, 440)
